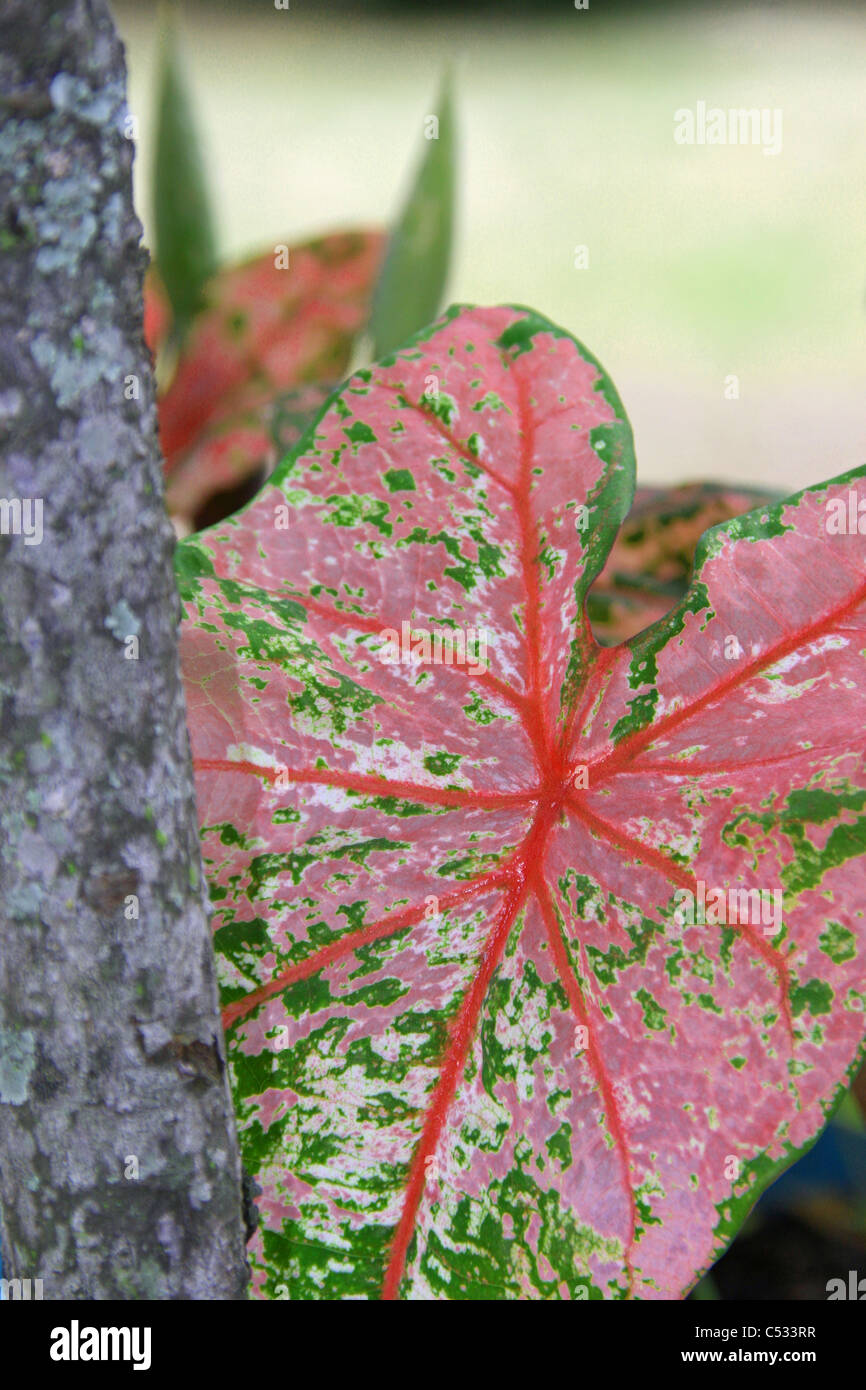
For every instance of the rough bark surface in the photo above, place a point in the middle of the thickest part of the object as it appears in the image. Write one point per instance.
(111, 1050)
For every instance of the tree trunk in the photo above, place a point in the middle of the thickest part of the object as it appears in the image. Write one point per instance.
(119, 1168)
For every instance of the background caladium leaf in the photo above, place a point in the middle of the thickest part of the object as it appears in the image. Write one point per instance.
(650, 564)
(478, 1049)
(263, 329)
(157, 311)
(226, 469)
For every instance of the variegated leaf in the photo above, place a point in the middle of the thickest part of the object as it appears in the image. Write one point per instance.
(540, 962)
(285, 320)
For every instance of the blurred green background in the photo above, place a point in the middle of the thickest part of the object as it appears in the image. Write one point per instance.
(704, 262)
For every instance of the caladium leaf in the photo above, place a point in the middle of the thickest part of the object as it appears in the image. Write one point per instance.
(538, 964)
(650, 564)
(229, 464)
(283, 320)
(157, 311)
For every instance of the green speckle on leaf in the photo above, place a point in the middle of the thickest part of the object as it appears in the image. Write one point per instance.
(399, 480)
(838, 943)
(442, 764)
(360, 433)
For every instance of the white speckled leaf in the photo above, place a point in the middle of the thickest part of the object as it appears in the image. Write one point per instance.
(536, 969)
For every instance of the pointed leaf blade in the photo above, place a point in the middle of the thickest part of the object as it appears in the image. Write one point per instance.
(185, 241)
(411, 287)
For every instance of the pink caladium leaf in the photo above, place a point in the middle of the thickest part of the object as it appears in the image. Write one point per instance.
(157, 311)
(234, 456)
(284, 320)
(540, 959)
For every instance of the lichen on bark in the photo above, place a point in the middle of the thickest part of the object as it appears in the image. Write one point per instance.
(119, 1170)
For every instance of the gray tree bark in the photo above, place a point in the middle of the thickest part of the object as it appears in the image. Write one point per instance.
(119, 1168)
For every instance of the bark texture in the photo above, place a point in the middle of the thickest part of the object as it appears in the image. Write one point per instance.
(119, 1169)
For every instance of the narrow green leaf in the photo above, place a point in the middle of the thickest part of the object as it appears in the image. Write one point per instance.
(185, 245)
(409, 292)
